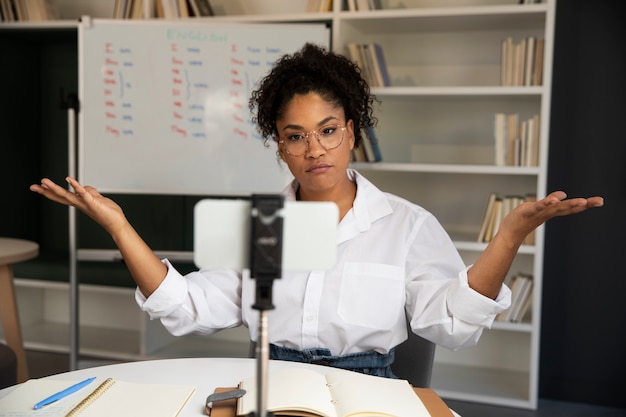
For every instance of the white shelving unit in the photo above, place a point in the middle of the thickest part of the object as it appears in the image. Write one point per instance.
(436, 137)
(111, 325)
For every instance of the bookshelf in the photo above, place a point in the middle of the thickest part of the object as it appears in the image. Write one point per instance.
(436, 136)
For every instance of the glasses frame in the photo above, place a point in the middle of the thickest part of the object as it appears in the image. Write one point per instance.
(316, 134)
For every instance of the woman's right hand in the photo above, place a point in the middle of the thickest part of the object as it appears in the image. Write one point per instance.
(87, 199)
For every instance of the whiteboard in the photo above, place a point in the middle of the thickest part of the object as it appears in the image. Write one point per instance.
(164, 105)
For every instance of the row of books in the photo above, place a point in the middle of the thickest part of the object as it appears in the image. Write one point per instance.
(166, 9)
(522, 62)
(316, 6)
(516, 142)
(368, 150)
(26, 10)
(496, 209)
(371, 60)
(521, 286)
(360, 5)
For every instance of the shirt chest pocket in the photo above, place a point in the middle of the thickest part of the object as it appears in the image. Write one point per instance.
(371, 295)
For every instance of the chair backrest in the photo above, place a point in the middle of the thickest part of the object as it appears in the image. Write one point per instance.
(8, 366)
(414, 360)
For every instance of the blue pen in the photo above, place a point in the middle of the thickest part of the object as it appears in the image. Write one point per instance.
(62, 394)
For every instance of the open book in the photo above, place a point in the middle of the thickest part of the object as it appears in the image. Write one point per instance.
(103, 398)
(304, 392)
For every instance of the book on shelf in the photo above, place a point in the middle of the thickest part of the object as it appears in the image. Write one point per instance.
(380, 65)
(506, 62)
(306, 392)
(516, 143)
(495, 218)
(484, 224)
(164, 9)
(6, 11)
(183, 8)
(518, 63)
(521, 295)
(129, 9)
(316, 6)
(370, 59)
(359, 154)
(366, 61)
(370, 65)
(27, 10)
(512, 136)
(499, 133)
(201, 8)
(529, 60)
(117, 9)
(107, 397)
(362, 5)
(368, 150)
(372, 139)
(496, 209)
(522, 61)
(538, 62)
(353, 51)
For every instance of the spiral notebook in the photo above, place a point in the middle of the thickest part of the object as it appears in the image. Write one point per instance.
(107, 397)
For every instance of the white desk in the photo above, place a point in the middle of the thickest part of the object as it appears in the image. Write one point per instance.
(205, 374)
(13, 251)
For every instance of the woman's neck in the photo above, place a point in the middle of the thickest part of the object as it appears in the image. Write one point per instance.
(343, 196)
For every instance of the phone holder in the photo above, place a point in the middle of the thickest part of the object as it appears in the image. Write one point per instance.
(266, 247)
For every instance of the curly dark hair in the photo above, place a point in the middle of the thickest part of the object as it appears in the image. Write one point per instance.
(313, 69)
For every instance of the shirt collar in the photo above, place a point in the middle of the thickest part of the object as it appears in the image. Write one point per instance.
(370, 203)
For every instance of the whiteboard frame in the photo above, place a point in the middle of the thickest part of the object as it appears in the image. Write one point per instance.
(253, 171)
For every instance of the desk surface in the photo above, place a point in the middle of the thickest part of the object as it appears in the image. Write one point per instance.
(205, 374)
(16, 250)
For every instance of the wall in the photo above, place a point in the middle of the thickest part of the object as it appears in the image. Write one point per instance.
(584, 315)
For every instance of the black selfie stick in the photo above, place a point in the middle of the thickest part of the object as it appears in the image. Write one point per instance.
(265, 266)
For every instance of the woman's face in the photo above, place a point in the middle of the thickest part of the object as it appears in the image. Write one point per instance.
(318, 170)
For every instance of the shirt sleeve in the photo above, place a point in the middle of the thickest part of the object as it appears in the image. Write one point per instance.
(201, 302)
(441, 305)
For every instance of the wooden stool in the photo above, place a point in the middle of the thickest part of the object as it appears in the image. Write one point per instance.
(8, 367)
(12, 251)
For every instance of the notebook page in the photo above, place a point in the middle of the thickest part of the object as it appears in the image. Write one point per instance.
(357, 393)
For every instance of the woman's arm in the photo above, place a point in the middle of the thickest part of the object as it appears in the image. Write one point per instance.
(488, 272)
(145, 267)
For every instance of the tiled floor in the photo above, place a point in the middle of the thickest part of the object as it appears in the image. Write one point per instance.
(43, 364)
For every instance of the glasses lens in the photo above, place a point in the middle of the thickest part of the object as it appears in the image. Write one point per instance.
(329, 136)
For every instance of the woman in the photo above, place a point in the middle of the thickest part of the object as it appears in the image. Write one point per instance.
(395, 261)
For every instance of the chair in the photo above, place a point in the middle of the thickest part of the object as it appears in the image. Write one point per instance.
(414, 360)
(8, 366)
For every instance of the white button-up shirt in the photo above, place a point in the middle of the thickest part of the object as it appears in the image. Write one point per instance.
(394, 261)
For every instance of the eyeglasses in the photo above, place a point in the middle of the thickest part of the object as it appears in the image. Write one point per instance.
(297, 143)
